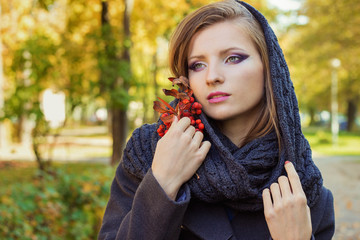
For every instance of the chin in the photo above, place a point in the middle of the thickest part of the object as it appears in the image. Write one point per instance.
(219, 115)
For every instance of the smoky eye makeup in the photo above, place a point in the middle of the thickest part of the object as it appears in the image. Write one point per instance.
(236, 58)
(196, 66)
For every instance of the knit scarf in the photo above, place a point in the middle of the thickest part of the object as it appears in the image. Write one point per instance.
(236, 176)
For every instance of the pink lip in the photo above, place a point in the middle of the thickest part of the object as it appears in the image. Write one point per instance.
(216, 97)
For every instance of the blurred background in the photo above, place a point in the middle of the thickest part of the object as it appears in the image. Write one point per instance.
(78, 76)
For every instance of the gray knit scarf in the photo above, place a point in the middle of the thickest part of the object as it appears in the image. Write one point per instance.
(236, 176)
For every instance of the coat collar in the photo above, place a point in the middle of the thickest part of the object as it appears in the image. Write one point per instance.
(208, 221)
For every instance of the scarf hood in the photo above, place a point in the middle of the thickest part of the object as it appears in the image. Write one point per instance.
(236, 176)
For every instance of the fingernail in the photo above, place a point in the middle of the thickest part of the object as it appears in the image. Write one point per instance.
(286, 162)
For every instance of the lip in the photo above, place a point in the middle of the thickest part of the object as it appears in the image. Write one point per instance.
(221, 96)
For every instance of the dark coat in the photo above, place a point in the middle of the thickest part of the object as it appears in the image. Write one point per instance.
(141, 210)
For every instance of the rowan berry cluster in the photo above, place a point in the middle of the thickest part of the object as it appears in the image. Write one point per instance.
(186, 106)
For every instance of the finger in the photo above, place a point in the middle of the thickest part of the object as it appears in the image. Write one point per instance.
(190, 131)
(284, 186)
(204, 148)
(275, 193)
(183, 123)
(198, 137)
(267, 200)
(174, 122)
(293, 178)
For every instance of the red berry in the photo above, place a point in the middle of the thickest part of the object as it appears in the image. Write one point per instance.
(185, 101)
(186, 114)
(192, 99)
(192, 122)
(198, 121)
(198, 112)
(199, 106)
(195, 105)
(201, 126)
(161, 134)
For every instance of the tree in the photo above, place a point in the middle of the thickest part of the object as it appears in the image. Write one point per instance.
(115, 75)
(331, 32)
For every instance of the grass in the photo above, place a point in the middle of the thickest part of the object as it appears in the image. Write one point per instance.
(24, 172)
(321, 142)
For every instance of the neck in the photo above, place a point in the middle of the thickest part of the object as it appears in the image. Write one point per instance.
(234, 131)
(238, 128)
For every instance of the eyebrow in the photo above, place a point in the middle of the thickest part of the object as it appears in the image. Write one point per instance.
(222, 52)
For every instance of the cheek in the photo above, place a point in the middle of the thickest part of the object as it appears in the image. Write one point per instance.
(195, 85)
(258, 79)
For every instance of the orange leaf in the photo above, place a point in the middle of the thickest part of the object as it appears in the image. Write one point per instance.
(177, 108)
(172, 92)
(168, 105)
(182, 96)
(182, 82)
(189, 92)
(168, 118)
(160, 107)
(183, 106)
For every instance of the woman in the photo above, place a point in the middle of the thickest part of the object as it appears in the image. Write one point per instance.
(250, 175)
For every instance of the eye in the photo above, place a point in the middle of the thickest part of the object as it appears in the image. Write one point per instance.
(236, 58)
(197, 66)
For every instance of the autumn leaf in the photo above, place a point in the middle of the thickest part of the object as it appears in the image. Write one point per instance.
(167, 119)
(182, 82)
(172, 92)
(160, 107)
(167, 105)
(183, 106)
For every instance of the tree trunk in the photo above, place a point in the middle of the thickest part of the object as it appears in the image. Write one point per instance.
(156, 86)
(312, 116)
(119, 119)
(119, 133)
(351, 114)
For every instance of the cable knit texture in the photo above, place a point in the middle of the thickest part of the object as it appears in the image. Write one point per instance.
(236, 176)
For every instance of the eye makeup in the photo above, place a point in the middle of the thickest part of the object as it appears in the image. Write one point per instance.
(236, 58)
(196, 66)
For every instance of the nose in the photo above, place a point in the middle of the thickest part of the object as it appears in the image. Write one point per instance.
(214, 74)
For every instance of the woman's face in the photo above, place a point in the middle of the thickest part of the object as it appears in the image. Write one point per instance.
(226, 72)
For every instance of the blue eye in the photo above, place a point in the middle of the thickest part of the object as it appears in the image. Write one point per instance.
(196, 66)
(236, 58)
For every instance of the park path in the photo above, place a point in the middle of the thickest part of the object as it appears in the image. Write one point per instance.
(341, 175)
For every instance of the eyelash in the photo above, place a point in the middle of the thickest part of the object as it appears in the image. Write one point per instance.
(193, 66)
(240, 58)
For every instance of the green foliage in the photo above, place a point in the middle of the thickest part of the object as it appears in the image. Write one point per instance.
(321, 142)
(46, 4)
(33, 64)
(66, 205)
(331, 32)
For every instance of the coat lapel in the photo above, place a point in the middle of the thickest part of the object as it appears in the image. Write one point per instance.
(208, 221)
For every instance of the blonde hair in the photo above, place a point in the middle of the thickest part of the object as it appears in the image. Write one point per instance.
(215, 13)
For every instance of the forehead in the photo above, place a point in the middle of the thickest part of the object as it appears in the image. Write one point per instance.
(221, 35)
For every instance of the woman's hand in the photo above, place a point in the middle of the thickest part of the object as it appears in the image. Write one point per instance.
(285, 207)
(178, 155)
